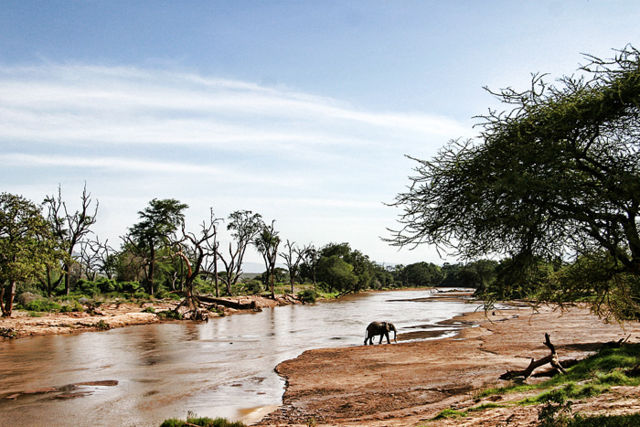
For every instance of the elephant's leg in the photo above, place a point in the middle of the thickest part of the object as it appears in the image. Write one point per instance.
(386, 334)
(381, 337)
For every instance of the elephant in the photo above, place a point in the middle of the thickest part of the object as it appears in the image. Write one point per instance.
(382, 329)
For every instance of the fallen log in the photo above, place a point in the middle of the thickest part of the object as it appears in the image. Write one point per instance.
(551, 359)
(238, 305)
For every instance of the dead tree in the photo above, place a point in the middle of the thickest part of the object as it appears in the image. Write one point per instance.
(199, 247)
(551, 359)
(292, 258)
(70, 228)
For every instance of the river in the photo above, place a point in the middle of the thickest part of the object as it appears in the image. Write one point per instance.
(221, 368)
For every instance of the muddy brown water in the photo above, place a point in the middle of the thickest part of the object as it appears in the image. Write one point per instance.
(141, 375)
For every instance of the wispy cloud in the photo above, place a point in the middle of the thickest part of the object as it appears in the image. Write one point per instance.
(77, 103)
(120, 164)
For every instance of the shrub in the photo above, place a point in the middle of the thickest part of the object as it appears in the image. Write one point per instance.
(307, 296)
(201, 421)
(170, 314)
(102, 325)
(129, 287)
(149, 309)
(42, 305)
(8, 333)
(87, 287)
(253, 287)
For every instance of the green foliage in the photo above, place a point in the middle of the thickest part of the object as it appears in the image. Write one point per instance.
(449, 413)
(568, 391)
(102, 325)
(307, 296)
(43, 305)
(556, 174)
(149, 309)
(421, 274)
(253, 287)
(170, 314)
(8, 333)
(27, 245)
(630, 420)
(158, 222)
(593, 375)
(201, 421)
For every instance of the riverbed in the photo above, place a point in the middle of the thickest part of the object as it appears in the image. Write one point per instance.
(141, 375)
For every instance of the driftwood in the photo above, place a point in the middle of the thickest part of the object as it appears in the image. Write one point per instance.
(551, 359)
(227, 303)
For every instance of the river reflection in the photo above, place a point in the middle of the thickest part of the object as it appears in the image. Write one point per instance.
(212, 369)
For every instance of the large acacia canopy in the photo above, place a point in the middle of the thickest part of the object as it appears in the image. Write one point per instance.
(557, 173)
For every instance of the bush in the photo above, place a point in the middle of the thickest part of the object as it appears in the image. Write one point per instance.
(307, 296)
(87, 287)
(201, 421)
(42, 305)
(129, 287)
(170, 314)
(253, 287)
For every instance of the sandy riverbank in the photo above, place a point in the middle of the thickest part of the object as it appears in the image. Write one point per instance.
(409, 383)
(114, 315)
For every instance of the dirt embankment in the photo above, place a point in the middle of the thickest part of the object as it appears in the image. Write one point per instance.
(409, 383)
(115, 315)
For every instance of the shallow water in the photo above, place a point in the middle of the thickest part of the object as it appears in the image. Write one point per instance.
(221, 368)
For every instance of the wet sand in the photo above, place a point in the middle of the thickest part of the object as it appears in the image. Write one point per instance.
(409, 383)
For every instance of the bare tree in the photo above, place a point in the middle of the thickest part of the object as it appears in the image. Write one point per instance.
(70, 228)
(89, 260)
(293, 256)
(267, 242)
(96, 258)
(194, 249)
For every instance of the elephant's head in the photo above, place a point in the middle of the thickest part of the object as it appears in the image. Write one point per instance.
(390, 327)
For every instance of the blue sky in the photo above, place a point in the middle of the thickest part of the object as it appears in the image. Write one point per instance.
(302, 111)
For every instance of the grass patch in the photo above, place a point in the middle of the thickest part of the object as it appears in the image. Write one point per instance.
(201, 421)
(485, 406)
(609, 367)
(562, 394)
(450, 413)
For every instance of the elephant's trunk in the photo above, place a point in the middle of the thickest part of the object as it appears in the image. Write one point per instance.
(395, 335)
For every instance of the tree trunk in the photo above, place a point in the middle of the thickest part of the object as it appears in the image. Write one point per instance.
(67, 268)
(215, 272)
(272, 280)
(291, 282)
(6, 299)
(551, 359)
(151, 269)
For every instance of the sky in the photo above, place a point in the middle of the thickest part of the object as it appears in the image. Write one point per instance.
(302, 111)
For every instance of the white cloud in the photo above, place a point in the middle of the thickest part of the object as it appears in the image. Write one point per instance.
(58, 103)
(319, 166)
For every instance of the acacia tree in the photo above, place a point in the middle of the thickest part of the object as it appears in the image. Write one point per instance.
(267, 242)
(557, 173)
(293, 256)
(244, 225)
(26, 246)
(158, 222)
(69, 229)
